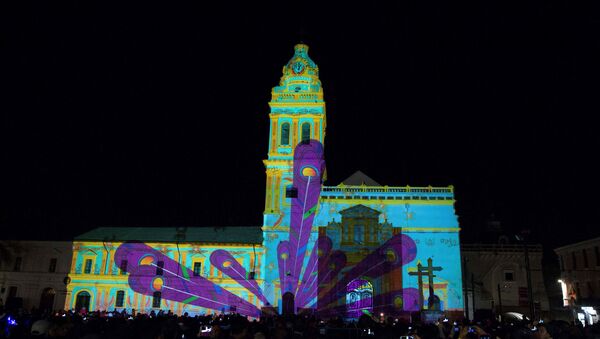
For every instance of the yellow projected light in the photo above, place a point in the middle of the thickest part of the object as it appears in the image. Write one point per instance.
(309, 172)
(157, 284)
(147, 260)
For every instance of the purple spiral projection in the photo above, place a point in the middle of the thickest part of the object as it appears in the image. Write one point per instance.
(393, 301)
(334, 264)
(359, 297)
(227, 264)
(318, 255)
(394, 253)
(406, 299)
(283, 261)
(309, 166)
(176, 282)
(411, 299)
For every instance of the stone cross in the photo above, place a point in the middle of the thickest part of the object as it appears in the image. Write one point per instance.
(430, 269)
(426, 271)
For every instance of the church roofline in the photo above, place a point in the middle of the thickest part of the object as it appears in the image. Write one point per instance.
(394, 189)
(216, 234)
(360, 207)
(359, 178)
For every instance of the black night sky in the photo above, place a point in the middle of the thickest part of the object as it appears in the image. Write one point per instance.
(155, 114)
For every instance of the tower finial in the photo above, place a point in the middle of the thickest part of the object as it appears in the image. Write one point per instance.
(301, 49)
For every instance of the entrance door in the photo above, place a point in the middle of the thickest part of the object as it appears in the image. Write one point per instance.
(82, 300)
(359, 298)
(288, 303)
(47, 299)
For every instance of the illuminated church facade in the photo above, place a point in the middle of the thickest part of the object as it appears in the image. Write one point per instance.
(371, 248)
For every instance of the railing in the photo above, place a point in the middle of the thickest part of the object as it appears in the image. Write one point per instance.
(286, 97)
(387, 193)
(384, 197)
(384, 189)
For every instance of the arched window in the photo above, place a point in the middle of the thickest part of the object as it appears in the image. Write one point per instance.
(305, 131)
(359, 298)
(285, 134)
(197, 268)
(120, 299)
(82, 300)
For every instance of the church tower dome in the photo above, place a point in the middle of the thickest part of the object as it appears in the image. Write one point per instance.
(300, 75)
(301, 63)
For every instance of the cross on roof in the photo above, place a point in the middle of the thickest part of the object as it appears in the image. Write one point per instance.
(429, 268)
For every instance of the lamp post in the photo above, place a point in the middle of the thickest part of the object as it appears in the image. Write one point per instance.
(465, 288)
(499, 303)
(528, 274)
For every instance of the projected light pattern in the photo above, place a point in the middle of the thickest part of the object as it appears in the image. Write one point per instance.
(316, 242)
(186, 288)
(397, 251)
(328, 278)
(177, 283)
(390, 303)
(229, 265)
(324, 265)
(309, 283)
(309, 165)
(283, 260)
(391, 256)
(159, 273)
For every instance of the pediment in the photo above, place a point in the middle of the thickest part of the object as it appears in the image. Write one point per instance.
(360, 211)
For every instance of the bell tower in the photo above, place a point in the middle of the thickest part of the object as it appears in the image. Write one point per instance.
(297, 114)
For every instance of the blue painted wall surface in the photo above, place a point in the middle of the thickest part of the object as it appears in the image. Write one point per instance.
(422, 211)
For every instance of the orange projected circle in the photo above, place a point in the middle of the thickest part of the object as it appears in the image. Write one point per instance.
(226, 263)
(309, 172)
(284, 256)
(398, 302)
(157, 284)
(147, 260)
(390, 255)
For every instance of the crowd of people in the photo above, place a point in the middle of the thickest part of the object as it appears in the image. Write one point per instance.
(166, 325)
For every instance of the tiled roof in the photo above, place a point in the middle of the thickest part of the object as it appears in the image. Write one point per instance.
(231, 234)
(359, 178)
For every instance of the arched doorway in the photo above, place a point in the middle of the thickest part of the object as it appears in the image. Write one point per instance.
(47, 299)
(359, 298)
(82, 300)
(288, 303)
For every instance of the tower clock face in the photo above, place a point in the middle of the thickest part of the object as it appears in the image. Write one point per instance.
(298, 67)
